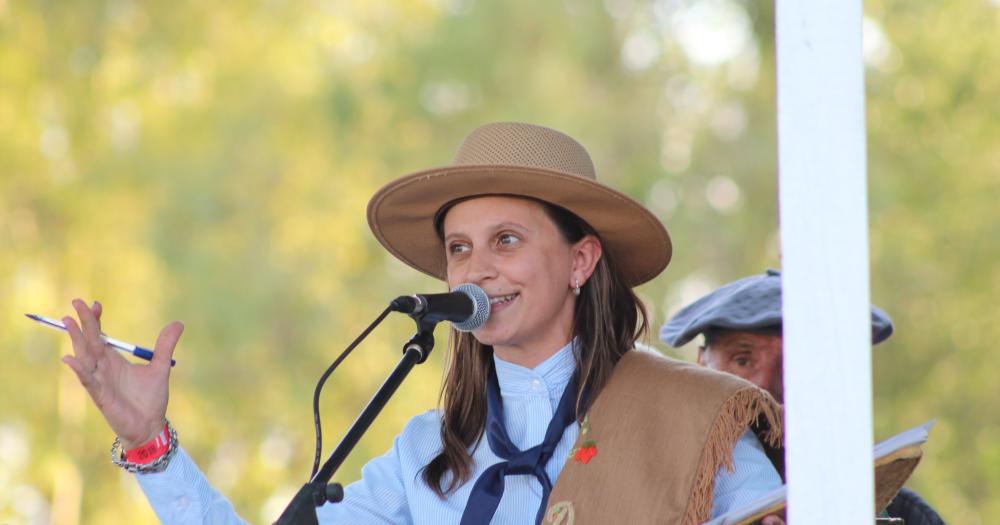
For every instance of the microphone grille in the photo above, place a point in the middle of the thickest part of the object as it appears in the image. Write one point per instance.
(480, 307)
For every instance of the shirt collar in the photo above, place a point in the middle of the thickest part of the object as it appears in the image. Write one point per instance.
(554, 374)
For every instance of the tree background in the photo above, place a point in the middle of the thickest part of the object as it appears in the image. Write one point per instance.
(211, 162)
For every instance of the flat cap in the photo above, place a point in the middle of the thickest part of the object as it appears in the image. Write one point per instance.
(751, 303)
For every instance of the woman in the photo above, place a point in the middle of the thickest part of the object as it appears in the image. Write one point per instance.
(548, 413)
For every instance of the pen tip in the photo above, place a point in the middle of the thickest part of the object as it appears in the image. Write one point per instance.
(32, 317)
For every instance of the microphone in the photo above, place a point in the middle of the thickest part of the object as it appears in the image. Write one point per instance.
(467, 307)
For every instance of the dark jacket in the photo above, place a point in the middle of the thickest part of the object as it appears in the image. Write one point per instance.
(909, 506)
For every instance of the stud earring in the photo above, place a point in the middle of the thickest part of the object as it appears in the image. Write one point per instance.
(576, 289)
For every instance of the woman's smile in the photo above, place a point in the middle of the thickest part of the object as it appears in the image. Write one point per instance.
(499, 303)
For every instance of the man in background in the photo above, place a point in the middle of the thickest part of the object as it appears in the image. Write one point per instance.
(741, 326)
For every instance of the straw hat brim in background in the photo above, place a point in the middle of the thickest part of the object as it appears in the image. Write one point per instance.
(402, 213)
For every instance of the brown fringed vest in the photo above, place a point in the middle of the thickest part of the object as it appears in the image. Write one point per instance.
(653, 441)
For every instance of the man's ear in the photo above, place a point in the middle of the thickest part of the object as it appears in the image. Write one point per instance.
(701, 355)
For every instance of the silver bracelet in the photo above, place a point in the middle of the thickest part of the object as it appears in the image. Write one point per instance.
(157, 465)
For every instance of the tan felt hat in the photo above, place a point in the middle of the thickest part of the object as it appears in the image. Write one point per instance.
(520, 160)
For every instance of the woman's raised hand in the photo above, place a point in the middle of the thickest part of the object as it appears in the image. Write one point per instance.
(132, 397)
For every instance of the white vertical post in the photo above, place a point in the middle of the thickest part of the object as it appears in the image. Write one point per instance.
(824, 245)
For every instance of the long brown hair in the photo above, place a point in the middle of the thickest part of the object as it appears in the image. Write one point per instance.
(607, 321)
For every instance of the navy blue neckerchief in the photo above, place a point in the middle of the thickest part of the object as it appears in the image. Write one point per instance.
(488, 490)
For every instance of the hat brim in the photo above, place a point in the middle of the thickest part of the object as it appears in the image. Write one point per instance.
(401, 214)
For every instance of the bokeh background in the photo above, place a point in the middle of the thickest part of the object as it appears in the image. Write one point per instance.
(211, 162)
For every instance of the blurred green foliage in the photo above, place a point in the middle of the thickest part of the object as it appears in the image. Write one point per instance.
(211, 162)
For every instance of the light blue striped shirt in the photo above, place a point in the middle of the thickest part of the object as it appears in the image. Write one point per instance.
(392, 491)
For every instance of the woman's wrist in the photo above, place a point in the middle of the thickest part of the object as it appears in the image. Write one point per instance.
(155, 430)
(152, 456)
(151, 450)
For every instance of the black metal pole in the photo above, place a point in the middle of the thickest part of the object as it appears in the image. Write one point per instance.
(302, 509)
(412, 355)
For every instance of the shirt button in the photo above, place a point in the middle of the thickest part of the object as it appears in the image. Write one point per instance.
(181, 502)
(536, 385)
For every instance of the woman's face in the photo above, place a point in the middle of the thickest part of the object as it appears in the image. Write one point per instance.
(515, 252)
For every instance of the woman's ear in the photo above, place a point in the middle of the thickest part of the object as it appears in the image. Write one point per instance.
(585, 252)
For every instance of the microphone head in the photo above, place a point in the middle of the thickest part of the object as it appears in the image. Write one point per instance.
(480, 307)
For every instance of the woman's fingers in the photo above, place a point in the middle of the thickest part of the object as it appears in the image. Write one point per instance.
(82, 362)
(91, 327)
(89, 350)
(81, 370)
(80, 349)
(165, 344)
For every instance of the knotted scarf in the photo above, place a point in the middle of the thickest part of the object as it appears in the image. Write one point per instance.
(488, 490)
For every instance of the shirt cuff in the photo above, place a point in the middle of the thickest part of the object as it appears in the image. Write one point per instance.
(181, 494)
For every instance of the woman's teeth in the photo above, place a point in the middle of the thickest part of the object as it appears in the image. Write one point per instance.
(503, 299)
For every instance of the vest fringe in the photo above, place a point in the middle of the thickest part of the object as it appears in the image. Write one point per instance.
(742, 409)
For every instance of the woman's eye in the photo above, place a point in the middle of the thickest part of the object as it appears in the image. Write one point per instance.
(457, 248)
(742, 361)
(508, 239)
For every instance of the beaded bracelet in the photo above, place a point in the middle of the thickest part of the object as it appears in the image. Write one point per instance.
(151, 457)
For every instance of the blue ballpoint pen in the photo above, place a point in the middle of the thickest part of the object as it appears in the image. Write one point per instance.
(136, 350)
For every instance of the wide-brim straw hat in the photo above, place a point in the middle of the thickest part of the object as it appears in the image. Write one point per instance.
(519, 160)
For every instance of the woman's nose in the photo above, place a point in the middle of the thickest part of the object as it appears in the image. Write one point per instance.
(477, 268)
(482, 266)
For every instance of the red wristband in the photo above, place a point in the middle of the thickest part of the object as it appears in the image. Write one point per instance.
(149, 452)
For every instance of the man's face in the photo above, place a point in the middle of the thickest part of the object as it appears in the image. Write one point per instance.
(753, 356)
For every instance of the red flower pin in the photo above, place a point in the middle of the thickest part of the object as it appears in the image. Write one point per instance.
(585, 453)
(587, 449)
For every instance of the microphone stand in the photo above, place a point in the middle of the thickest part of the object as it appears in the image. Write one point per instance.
(318, 491)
